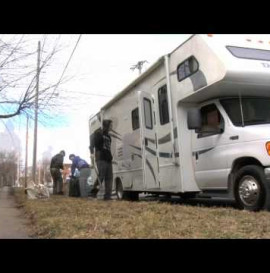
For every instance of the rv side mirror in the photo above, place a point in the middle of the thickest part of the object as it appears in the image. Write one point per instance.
(194, 119)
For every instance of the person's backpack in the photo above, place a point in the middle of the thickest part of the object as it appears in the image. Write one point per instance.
(74, 187)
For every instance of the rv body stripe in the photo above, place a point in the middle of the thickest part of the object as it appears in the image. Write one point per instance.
(150, 151)
(202, 151)
(168, 155)
(138, 148)
(198, 80)
(137, 155)
(167, 137)
(151, 169)
(150, 140)
(175, 132)
(116, 132)
(114, 136)
(149, 165)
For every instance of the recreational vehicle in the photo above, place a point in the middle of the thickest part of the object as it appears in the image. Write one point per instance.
(196, 123)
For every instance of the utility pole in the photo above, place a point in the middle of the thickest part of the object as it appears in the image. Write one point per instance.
(26, 154)
(36, 118)
(138, 66)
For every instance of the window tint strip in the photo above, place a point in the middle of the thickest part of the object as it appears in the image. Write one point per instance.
(250, 53)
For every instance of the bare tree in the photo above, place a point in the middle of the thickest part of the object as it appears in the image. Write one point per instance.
(18, 72)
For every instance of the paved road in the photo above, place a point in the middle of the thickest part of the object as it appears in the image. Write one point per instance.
(12, 223)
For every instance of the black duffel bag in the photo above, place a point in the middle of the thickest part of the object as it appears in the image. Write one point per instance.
(74, 187)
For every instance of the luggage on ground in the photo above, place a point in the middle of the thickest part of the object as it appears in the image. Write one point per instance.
(74, 187)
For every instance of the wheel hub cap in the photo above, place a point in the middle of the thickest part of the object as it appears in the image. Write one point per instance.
(249, 190)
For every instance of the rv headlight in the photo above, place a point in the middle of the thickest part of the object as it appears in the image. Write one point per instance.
(267, 146)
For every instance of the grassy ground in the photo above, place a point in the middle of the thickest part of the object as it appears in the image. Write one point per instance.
(66, 217)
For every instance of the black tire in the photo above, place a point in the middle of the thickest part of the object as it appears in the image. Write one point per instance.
(249, 188)
(125, 195)
(119, 190)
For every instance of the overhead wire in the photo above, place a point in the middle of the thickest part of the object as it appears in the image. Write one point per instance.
(58, 82)
(68, 62)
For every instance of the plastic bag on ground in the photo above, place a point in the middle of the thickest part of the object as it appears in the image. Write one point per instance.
(38, 191)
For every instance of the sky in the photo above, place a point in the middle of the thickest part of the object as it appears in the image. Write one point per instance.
(98, 70)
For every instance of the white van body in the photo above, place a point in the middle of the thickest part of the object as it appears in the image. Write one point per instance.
(152, 146)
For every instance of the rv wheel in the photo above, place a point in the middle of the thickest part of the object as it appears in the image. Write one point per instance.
(125, 195)
(119, 190)
(249, 188)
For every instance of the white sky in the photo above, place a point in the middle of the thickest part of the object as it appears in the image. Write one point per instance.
(101, 68)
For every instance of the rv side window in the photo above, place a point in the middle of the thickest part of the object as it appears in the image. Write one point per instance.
(187, 68)
(148, 113)
(212, 121)
(135, 119)
(163, 105)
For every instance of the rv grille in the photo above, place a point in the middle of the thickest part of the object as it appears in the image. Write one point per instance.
(250, 53)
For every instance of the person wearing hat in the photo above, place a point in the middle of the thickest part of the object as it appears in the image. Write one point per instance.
(55, 167)
(100, 150)
(84, 168)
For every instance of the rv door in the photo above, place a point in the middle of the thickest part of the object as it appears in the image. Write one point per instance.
(149, 142)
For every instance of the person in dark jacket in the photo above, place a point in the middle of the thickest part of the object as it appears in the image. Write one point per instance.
(100, 150)
(55, 167)
(84, 168)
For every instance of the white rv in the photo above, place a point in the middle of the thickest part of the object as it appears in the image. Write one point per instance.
(196, 123)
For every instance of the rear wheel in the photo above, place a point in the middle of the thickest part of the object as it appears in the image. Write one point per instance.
(125, 195)
(250, 190)
(119, 190)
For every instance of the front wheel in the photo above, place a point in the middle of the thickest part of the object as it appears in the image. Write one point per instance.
(250, 190)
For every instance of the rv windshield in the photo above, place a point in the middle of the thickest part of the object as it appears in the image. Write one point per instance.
(255, 110)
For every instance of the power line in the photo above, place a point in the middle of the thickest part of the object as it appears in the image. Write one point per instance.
(68, 62)
(90, 94)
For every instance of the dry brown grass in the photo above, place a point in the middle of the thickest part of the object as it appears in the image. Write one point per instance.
(63, 217)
